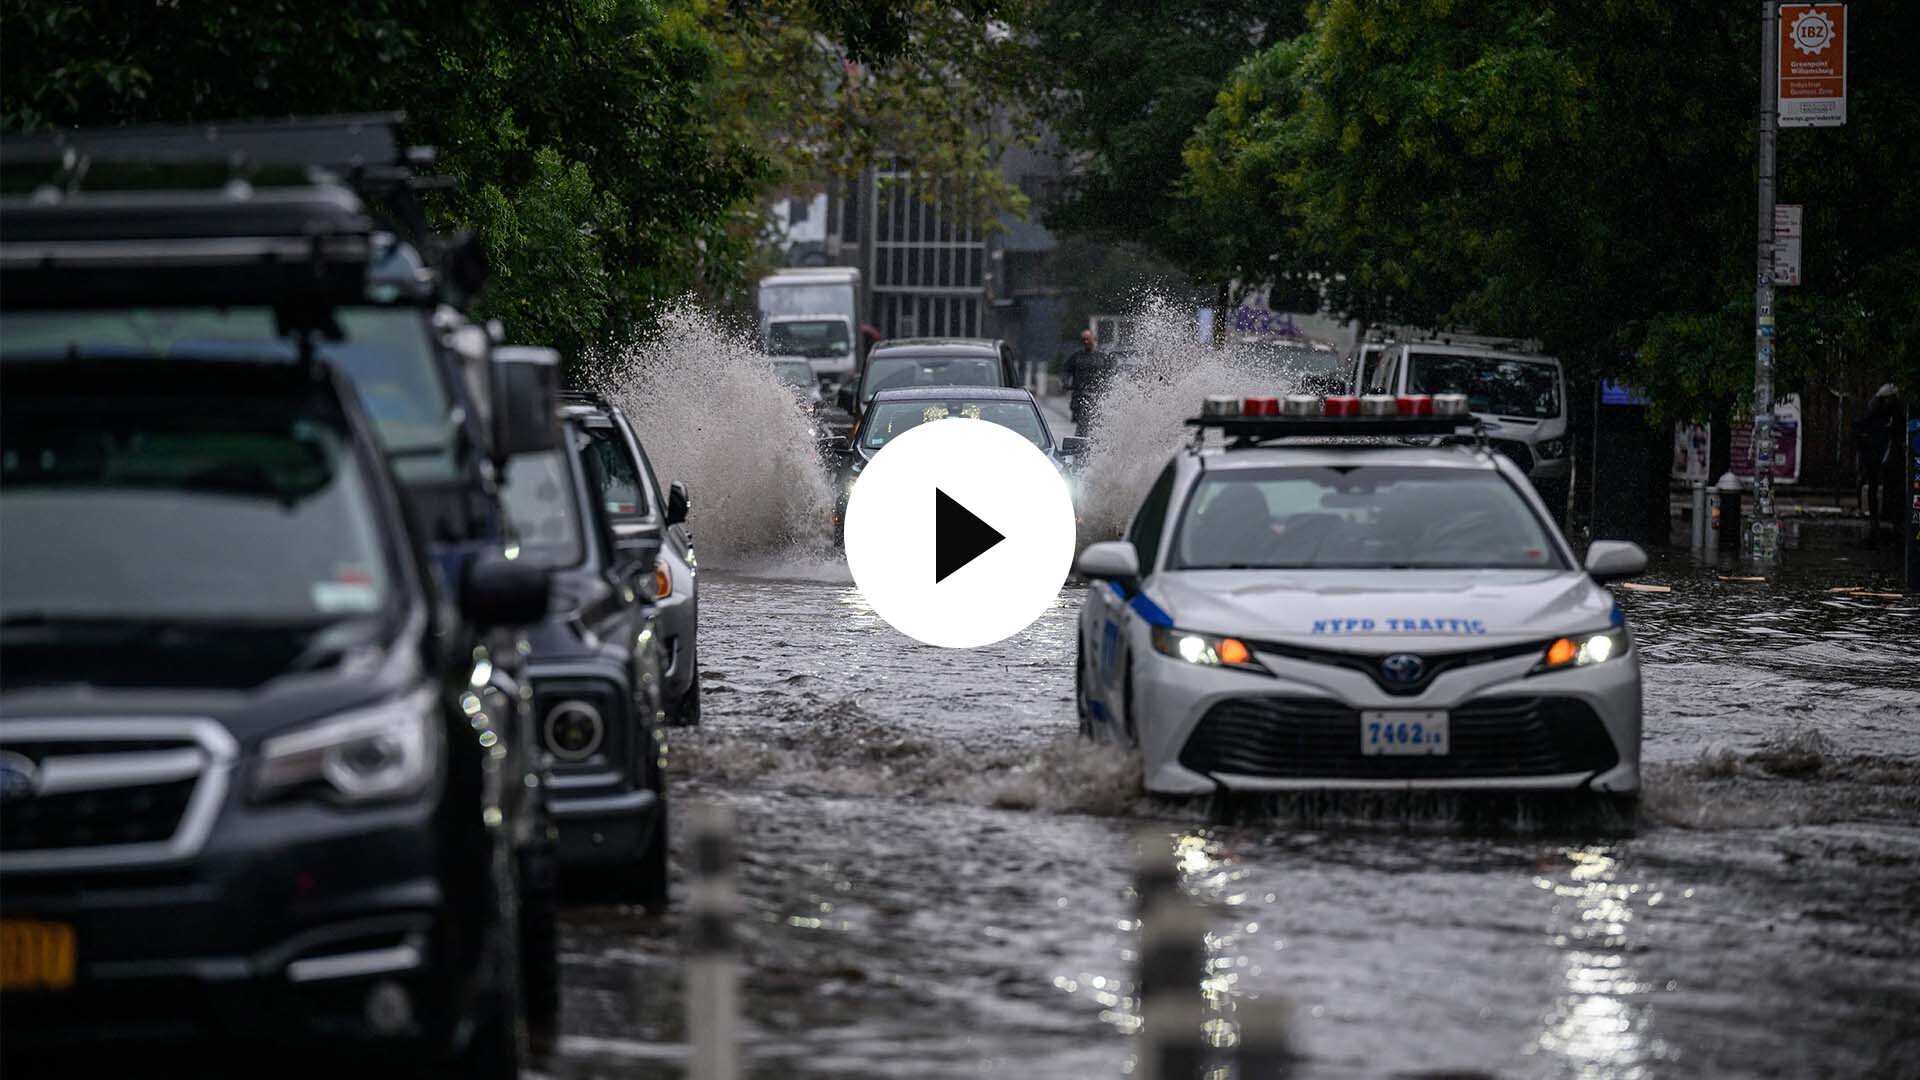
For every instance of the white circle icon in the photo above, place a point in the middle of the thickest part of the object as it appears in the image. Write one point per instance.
(959, 532)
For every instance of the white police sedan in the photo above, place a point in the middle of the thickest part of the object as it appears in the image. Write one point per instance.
(1295, 609)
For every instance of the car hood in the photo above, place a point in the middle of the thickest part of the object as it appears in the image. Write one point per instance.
(1377, 611)
(241, 678)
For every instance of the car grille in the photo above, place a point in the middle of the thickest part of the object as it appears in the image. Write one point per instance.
(1521, 454)
(1314, 738)
(94, 793)
(146, 814)
(1432, 665)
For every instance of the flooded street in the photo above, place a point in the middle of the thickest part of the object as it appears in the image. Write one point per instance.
(936, 872)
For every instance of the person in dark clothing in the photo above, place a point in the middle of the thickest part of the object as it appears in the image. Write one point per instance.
(1078, 377)
(1874, 436)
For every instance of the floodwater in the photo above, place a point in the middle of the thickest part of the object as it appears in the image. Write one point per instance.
(936, 872)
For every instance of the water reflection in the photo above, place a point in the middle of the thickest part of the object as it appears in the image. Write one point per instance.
(1600, 1025)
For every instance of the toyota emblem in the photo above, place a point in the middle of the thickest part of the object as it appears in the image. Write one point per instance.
(1403, 668)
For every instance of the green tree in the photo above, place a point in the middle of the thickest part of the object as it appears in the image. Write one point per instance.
(1121, 85)
(578, 134)
(1578, 173)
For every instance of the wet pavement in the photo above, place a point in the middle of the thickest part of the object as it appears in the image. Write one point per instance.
(936, 872)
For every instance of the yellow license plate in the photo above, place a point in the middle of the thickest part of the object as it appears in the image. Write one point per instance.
(35, 955)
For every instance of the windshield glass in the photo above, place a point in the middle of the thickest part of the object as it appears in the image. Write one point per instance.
(812, 338)
(538, 495)
(1360, 517)
(388, 352)
(795, 373)
(1299, 368)
(1496, 385)
(889, 372)
(892, 418)
(203, 507)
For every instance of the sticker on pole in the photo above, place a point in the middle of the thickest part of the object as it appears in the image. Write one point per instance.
(1813, 65)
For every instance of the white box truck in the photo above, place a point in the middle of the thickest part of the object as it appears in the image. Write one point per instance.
(814, 312)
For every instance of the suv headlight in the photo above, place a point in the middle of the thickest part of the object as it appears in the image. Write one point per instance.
(1583, 650)
(1207, 650)
(387, 751)
(1551, 448)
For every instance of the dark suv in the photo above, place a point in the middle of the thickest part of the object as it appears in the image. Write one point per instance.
(596, 668)
(254, 785)
(114, 248)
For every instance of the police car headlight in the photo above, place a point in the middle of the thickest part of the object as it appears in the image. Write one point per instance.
(1551, 448)
(387, 751)
(1584, 650)
(1207, 650)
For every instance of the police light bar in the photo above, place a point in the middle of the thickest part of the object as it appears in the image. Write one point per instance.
(1261, 417)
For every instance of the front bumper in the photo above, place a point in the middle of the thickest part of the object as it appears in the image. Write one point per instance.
(603, 805)
(280, 931)
(678, 620)
(1207, 729)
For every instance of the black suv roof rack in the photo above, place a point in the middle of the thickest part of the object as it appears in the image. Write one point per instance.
(1249, 431)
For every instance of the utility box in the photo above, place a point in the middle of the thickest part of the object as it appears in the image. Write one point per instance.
(1630, 461)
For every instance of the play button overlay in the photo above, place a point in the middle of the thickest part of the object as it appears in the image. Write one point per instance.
(958, 536)
(959, 533)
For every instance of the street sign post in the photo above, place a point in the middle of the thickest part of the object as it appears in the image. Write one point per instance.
(1786, 245)
(1761, 541)
(1812, 71)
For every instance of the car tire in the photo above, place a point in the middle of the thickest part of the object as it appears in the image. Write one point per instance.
(1083, 713)
(686, 711)
(540, 945)
(497, 1044)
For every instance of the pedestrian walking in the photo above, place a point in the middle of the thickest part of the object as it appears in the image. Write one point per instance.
(1874, 460)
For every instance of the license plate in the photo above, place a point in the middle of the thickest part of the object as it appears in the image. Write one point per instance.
(1403, 731)
(35, 955)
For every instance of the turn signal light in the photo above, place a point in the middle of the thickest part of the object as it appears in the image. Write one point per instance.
(1562, 652)
(662, 581)
(1234, 651)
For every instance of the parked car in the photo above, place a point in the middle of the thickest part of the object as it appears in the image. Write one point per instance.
(639, 510)
(295, 268)
(255, 780)
(596, 671)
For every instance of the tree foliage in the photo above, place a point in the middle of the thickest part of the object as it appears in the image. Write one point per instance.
(578, 133)
(1121, 86)
(1578, 173)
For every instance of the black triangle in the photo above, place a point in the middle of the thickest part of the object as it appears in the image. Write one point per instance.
(958, 536)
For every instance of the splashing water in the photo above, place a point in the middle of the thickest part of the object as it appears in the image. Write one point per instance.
(712, 413)
(1139, 418)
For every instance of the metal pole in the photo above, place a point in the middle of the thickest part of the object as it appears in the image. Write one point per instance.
(713, 975)
(1763, 533)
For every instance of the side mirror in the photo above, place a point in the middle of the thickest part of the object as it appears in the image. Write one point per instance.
(837, 445)
(636, 543)
(1112, 560)
(1613, 560)
(844, 398)
(498, 591)
(1073, 446)
(525, 399)
(678, 501)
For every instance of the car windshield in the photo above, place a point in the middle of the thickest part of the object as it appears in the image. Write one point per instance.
(388, 352)
(893, 371)
(795, 373)
(1495, 385)
(812, 338)
(893, 418)
(203, 507)
(1303, 369)
(1372, 517)
(540, 503)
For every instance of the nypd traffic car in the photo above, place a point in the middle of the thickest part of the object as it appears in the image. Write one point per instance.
(1356, 593)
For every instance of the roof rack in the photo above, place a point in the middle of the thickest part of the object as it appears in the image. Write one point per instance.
(1248, 431)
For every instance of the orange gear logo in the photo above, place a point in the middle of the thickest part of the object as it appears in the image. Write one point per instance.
(1812, 32)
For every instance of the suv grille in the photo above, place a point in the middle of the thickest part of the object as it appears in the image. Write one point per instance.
(94, 793)
(126, 815)
(1518, 451)
(1314, 738)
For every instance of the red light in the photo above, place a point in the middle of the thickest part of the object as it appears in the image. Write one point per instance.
(1343, 405)
(1416, 405)
(1261, 406)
